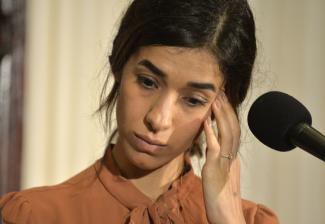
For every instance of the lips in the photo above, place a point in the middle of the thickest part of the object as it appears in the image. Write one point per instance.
(147, 145)
(151, 141)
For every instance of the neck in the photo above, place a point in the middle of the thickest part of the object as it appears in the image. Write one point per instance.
(161, 178)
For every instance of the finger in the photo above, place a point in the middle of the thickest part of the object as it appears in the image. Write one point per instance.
(235, 177)
(211, 139)
(213, 148)
(233, 122)
(224, 129)
(224, 137)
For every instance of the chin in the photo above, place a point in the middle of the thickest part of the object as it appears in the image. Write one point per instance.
(144, 161)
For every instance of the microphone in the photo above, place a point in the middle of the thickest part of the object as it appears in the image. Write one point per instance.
(281, 122)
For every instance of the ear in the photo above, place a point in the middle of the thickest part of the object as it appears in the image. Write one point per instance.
(117, 78)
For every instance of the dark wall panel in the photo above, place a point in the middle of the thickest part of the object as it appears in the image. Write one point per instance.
(12, 33)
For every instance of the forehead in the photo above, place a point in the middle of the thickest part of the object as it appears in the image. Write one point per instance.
(185, 63)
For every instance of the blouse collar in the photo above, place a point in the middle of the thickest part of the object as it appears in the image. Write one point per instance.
(138, 203)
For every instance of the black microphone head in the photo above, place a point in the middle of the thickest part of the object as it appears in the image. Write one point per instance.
(271, 117)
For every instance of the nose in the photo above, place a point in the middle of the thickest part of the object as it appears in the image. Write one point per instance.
(160, 115)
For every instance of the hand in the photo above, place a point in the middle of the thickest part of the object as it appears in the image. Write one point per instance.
(220, 175)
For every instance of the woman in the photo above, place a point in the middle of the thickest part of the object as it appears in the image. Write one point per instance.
(178, 67)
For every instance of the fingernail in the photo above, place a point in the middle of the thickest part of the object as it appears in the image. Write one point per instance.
(217, 103)
(209, 121)
(224, 97)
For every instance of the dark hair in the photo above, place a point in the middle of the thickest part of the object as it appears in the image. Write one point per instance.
(224, 27)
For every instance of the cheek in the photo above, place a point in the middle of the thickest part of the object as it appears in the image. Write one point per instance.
(189, 130)
(130, 106)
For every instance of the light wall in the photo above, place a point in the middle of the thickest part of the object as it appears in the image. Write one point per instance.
(67, 44)
(291, 59)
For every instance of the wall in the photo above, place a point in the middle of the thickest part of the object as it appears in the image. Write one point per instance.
(67, 43)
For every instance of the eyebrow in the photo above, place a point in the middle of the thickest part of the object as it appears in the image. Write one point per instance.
(157, 71)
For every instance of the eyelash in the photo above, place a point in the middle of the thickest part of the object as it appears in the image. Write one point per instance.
(143, 81)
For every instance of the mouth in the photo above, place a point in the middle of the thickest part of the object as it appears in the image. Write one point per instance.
(146, 145)
(150, 141)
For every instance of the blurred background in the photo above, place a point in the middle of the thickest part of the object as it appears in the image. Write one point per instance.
(53, 62)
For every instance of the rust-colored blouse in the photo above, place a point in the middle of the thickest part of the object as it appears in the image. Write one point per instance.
(101, 195)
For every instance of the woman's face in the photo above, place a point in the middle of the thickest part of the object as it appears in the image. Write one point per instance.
(165, 95)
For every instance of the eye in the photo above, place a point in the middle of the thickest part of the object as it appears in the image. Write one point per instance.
(193, 102)
(146, 82)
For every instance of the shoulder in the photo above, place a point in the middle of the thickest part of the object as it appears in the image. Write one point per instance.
(28, 205)
(15, 208)
(258, 214)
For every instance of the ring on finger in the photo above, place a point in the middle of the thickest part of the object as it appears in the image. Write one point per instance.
(227, 156)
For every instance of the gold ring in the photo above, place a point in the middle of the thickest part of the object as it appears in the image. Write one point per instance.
(227, 156)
